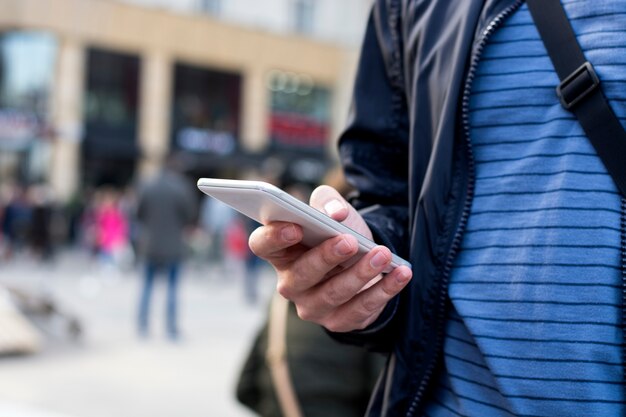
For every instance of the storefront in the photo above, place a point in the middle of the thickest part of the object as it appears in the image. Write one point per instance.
(111, 106)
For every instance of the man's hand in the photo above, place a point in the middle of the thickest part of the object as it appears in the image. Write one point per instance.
(323, 292)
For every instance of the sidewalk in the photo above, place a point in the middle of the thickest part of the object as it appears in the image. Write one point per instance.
(18, 410)
(113, 373)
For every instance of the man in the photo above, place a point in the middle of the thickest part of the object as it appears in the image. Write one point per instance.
(166, 207)
(467, 165)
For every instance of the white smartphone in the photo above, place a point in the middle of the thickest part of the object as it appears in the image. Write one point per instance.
(266, 203)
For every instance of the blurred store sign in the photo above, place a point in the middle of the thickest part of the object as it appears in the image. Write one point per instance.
(290, 83)
(298, 130)
(299, 112)
(206, 140)
(18, 128)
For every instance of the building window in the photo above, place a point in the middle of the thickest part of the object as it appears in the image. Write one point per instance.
(112, 93)
(212, 7)
(110, 116)
(303, 16)
(206, 110)
(27, 62)
(300, 112)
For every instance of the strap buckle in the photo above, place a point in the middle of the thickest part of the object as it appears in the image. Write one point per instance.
(577, 85)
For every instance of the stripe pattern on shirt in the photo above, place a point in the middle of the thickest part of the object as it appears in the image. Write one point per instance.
(534, 327)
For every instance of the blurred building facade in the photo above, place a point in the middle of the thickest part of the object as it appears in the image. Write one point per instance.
(338, 22)
(97, 92)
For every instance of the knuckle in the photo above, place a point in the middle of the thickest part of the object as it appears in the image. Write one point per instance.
(328, 256)
(360, 325)
(365, 273)
(334, 326)
(332, 295)
(261, 239)
(368, 306)
(364, 318)
(299, 271)
(389, 288)
(306, 314)
(366, 322)
(283, 289)
(270, 235)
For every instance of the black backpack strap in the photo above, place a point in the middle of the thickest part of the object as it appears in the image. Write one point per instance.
(580, 91)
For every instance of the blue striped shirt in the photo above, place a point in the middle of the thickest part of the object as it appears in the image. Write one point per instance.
(534, 324)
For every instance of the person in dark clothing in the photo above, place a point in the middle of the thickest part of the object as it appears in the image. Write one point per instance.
(466, 164)
(16, 221)
(166, 207)
(40, 231)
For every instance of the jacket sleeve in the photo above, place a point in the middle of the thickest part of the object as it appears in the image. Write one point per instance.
(374, 150)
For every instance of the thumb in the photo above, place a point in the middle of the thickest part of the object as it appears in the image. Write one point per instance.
(329, 201)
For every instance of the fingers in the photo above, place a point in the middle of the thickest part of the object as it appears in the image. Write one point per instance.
(299, 268)
(321, 303)
(330, 284)
(277, 242)
(316, 265)
(329, 201)
(366, 306)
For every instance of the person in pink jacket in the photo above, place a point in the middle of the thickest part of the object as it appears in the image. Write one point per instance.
(111, 226)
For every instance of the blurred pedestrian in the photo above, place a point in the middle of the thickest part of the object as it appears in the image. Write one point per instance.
(166, 207)
(111, 227)
(215, 217)
(16, 221)
(236, 251)
(40, 231)
(253, 265)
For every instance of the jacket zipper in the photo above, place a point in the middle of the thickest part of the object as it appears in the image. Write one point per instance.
(623, 244)
(469, 196)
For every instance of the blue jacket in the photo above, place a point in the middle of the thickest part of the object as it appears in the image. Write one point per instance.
(407, 152)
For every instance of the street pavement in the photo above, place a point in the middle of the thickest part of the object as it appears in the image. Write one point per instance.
(110, 372)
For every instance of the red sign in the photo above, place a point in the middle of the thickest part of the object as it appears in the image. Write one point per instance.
(298, 130)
